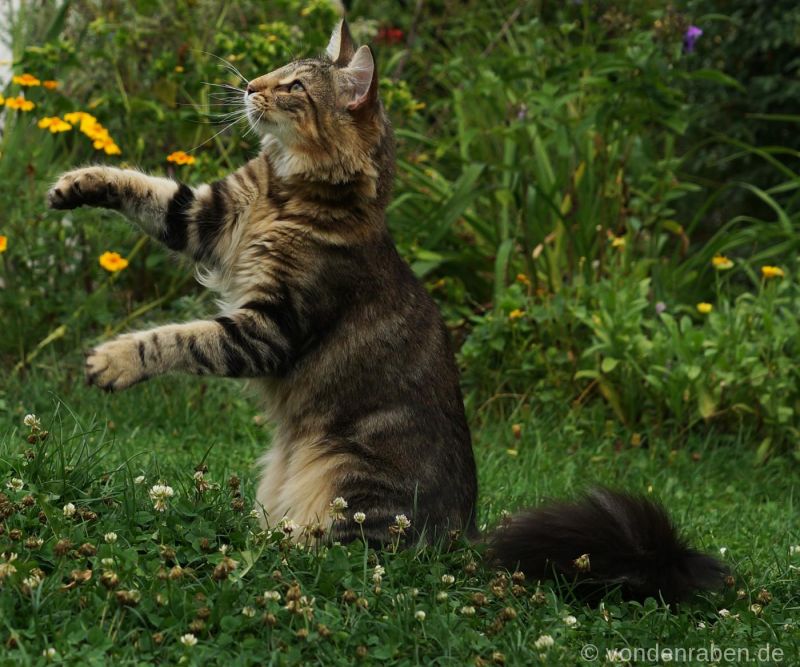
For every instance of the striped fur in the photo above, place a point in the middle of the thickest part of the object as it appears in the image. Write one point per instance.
(347, 348)
(318, 309)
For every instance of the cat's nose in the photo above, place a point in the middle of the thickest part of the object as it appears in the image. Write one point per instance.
(250, 89)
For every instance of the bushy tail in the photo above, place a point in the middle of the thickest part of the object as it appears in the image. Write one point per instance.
(607, 539)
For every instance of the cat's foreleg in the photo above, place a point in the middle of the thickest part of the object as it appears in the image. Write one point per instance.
(254, 341)
(191, 220)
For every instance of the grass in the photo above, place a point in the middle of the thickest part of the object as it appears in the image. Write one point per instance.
(98, 445)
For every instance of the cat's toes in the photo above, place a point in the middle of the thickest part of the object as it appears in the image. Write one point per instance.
(92, 186)
(116, 365)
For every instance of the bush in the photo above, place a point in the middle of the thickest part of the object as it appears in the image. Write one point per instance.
(657, 366)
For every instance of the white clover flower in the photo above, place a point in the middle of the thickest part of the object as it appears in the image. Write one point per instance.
(32, 582)
(69, 510)
(419, 615)
(448, 579)
(723, 551)
(570, 621)
(32, 421)
(544, 642)
(248, 611)
(7, 569)
(379, 570)
(160, 494)
(336, 508)
(794, 550)
(441, 596)
(724, 613)
(468, 610)
(15, 484)
(110, 538)
(288, 526)
(188, 640)
(224, 549)
(139, 480)
(107, 562)
(274, 596)
(254, 514)
(49, 654)
(359, 517)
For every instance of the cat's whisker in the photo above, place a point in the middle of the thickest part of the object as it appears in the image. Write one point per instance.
(228, 65)
(224, 86)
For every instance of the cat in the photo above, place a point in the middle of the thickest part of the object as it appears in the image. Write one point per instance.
(350, 352)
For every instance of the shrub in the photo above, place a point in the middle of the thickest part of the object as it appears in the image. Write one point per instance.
(655, 365)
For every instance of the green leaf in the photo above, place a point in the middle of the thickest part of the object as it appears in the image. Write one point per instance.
(608, 364)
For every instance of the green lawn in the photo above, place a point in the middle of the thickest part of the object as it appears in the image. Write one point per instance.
(181, 582)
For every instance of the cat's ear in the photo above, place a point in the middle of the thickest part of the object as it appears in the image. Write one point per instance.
(361, 80)
(341, 48)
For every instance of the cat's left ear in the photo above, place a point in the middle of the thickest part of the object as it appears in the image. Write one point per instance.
(341, 48)
(361, 80)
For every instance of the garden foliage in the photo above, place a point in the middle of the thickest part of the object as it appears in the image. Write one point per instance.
(570, 181)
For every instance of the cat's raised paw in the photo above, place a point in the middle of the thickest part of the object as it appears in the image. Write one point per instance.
(92, 186)
(116, 365)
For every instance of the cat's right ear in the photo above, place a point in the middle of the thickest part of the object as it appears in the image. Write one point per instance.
(341, 48)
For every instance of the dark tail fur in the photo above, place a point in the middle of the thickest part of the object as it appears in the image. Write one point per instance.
(607, 539)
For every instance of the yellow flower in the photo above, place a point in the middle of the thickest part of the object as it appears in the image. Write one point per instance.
(107, 144)
(516, 314)
(50, 85)
(522, 278)
(3, 243)
(113, 262)
(772, 272)
(180, 157)
(179, 68)
(721, 263)
(26, 80)
(19, 103)
(704, 308)
(76, 117)
(2, 100)
(618, 241)
(54, 124)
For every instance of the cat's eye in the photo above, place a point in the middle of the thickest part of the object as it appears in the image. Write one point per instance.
(297, 87)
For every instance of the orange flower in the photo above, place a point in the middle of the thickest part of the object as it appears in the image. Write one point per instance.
(113, 262)
(19, 103)
(3, 243)
(50, 85)
(26, 80)
(180, 157)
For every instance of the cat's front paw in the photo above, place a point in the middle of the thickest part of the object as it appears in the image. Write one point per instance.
(92, 186)
(116, 365)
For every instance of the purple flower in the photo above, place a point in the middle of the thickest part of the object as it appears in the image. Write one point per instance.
(692, 35)
(660, 307)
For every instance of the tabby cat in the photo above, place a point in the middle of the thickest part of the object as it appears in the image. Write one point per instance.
(346, 346)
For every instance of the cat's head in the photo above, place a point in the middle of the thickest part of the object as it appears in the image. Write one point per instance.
(321, 115)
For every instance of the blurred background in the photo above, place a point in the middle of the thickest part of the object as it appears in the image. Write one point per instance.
(602, 196)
